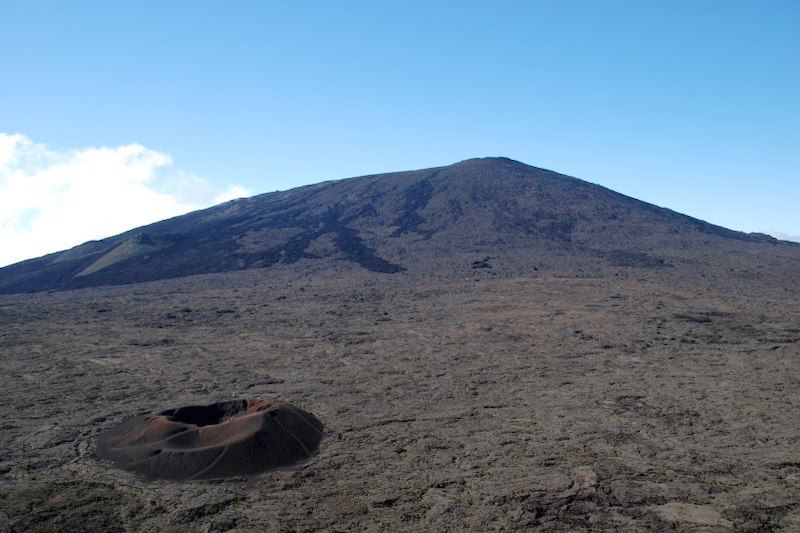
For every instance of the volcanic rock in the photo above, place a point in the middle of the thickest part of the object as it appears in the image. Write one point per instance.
(435, 221)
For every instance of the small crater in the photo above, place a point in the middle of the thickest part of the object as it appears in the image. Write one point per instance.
(237, 438)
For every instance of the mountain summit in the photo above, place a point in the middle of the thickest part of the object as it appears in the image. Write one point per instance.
(494, 215)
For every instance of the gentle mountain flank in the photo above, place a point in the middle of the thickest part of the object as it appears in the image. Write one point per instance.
(436, 222)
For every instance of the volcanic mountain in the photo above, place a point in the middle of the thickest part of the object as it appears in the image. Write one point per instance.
(491, 216)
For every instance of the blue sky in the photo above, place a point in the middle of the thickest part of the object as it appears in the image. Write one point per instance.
(690, 105)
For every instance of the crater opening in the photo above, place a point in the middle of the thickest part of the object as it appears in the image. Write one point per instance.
(215, 413)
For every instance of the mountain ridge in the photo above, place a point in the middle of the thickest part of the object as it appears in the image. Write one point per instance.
(419, 221)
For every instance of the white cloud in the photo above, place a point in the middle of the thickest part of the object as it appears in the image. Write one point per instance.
(783, 236)
(231, 193)
(53, 200)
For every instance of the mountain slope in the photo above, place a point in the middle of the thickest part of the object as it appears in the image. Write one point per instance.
(491, 214)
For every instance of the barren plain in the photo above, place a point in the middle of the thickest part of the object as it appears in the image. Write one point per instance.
(621, 400)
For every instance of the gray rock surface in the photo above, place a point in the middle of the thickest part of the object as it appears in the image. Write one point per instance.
(626, 399)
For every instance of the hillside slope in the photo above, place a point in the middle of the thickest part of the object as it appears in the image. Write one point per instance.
(490, 214)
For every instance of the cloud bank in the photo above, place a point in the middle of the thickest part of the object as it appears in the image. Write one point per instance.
(51, 200)
(783, 236)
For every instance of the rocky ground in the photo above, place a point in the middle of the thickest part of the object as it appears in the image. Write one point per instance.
(615, 402)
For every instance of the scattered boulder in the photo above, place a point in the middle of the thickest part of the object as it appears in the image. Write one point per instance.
(222, 440)
(482, 263)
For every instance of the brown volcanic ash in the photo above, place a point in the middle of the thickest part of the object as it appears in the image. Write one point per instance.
(436, 221)
(222, 440)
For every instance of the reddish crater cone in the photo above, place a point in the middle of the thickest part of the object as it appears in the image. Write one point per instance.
(221, 440)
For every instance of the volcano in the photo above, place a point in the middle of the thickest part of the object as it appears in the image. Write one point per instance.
(496, 215)
(489, 345)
